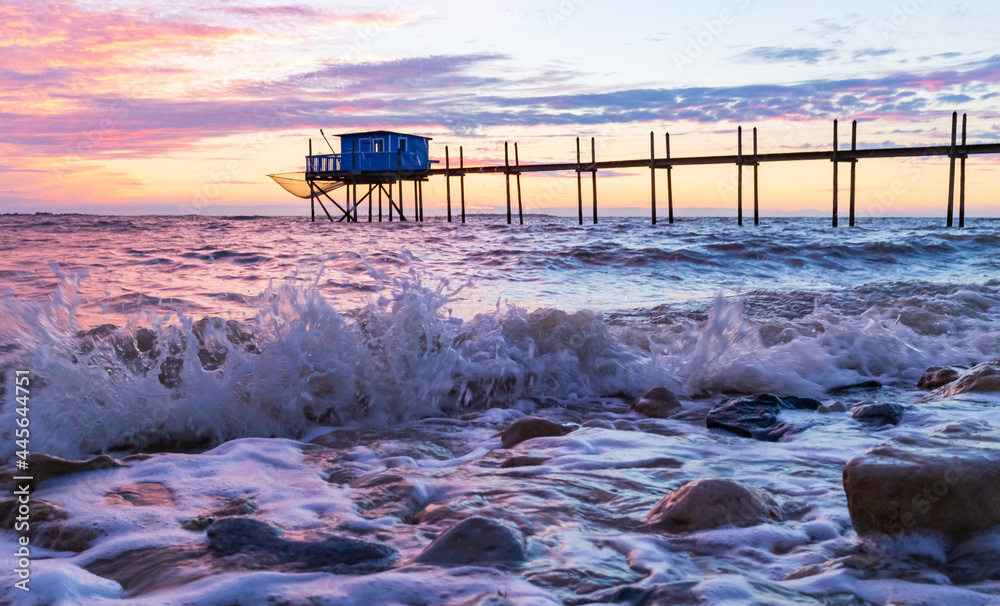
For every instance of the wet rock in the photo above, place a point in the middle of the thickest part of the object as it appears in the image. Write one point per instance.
(942, 485)
(980, 378)
(658, 403)
(475, 541)
(44, 467)
(229, 536)
(142, 494)
(936, 376)
(170, 371)
(531, 427)
(523, 461)
(855, 387)
(388, 494)
(757, 416)
(880, 413)
(237, 507)
(48, 526)
(832, 407)
(712, 503)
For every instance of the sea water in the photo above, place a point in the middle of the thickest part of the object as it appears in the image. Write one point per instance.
(408, 347)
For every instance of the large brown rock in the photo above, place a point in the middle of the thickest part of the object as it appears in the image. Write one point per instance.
(948, 484)
(532, 427)
(475, 541)
(983, 377)
(712, 503)
(658, 403)
(936, 376)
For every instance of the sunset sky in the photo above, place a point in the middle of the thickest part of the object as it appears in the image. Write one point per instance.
(182, 107)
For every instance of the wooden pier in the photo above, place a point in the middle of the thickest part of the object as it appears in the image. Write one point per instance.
(955, 151)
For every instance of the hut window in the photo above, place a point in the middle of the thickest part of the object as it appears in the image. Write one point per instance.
(402, 144)
(377, 145)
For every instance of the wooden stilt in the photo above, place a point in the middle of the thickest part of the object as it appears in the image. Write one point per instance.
(420, 191)
(461, 179)
(402, 217)
(854, 167)
(670, 186)
(739, 175)
(370, 190)
(416, 203)
(380, 202)
(506, 173)
(312, 194)
(517, 165)
(836, 185)
(652, 177)
(951, 177)
(579, 182)
(593, 174)
(961, 186)
(447, 181)
(756, 204)
(354, 209)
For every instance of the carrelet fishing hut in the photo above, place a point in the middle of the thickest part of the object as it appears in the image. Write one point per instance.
(374, 160)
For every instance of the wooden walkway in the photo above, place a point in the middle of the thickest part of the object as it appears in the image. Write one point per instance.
(958, 150)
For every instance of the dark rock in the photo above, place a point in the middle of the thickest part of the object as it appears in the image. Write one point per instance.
(474, 541)
(170, 371)
(936, 376)
(712, 503)
(142, 494)
(880, 413)
(145, 340)
(980, 378)
(48, 526)
(388, 494)
(246, 536)
(658, 403)
(863, 386)
(757, 416)
(523, 461)
(832, 407)
(531, 427)
(946, 486)
(44, 467)
(237, 507)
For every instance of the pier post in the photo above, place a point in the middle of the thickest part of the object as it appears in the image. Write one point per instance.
(961, 186)
(951, 177)
(370, 196)
(593, 174)
(739, 175)
(836, 185)
(447, 181)
(461, 179)
(756, 209)
(379, 202)
(517, 165)
(402, 217)
(312, 194)
(670, 185)
(506, 174)
(579, 182)
(420, 196)
(354, 208)
(854, 165)
(652, 177)
(416, 203)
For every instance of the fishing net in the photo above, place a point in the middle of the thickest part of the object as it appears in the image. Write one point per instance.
(295, 183)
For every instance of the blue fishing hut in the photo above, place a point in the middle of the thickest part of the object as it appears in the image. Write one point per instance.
(375, 159)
